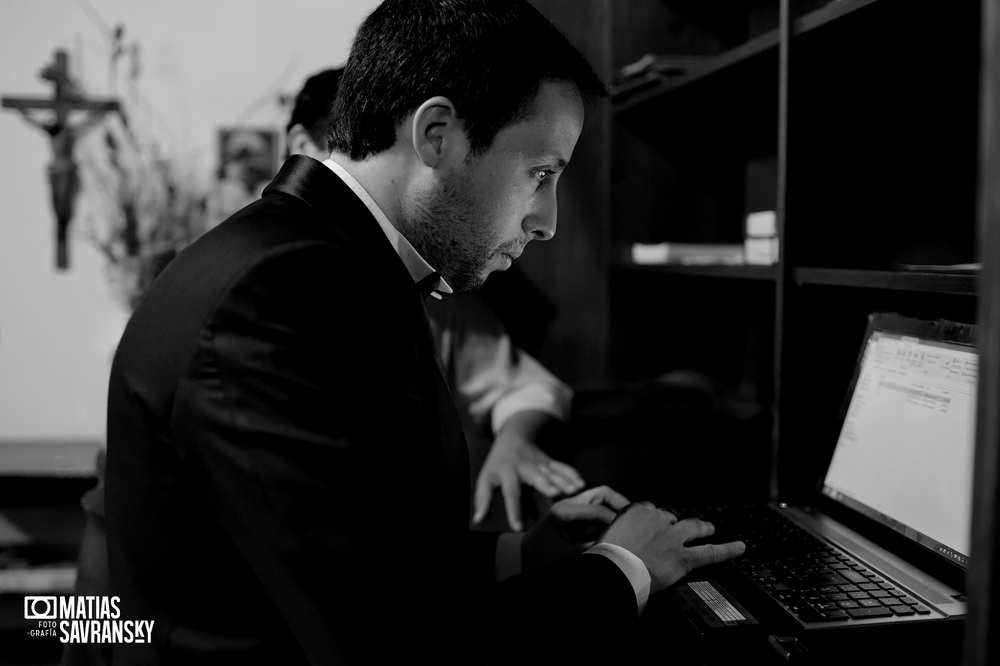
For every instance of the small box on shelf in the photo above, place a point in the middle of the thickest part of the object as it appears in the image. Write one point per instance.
(760, 245)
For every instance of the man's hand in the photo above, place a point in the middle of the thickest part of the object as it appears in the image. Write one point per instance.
(658, 539)
(515, 459)
(569, 527)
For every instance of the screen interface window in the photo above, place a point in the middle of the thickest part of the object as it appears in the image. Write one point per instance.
(904, 455)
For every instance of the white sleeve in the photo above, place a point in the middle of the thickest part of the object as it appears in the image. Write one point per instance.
(491, 377)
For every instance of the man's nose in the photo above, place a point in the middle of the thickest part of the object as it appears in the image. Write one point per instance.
(540, 224)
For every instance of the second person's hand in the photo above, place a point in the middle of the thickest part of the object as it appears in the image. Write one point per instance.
(514, 460)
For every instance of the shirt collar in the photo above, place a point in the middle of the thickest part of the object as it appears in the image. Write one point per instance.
(415, 264)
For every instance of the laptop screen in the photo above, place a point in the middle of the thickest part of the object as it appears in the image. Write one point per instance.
(904, 455)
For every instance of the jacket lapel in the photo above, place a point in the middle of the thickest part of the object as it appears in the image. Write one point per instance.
(314, 183)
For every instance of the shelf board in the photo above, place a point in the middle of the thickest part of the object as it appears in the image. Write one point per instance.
(734, 56)
(949, 283)
(650, 86)
(735, 272)
(828, 14)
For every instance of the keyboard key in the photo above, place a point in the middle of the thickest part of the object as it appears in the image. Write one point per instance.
(897, 593)
(848, 588)
(859, 613)
(893, 602)
(879, 594)
(909, 601)
(837, 597)
(826, 579)
(868, 586)
(869, 603)
(854, 576)
(920, 609)
(876, 579)
(858, 595)
(902, 610)
(848, 604)
(833, 615)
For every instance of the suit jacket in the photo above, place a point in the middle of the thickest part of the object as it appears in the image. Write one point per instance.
(287, 480)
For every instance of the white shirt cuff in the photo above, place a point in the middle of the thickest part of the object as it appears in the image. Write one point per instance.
(631, 566)
(508, 561)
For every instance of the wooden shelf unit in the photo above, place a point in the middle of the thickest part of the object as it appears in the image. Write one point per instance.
(867, 153)
(872, 128)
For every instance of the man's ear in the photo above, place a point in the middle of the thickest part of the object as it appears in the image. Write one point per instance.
(438, 134)
(300, 142)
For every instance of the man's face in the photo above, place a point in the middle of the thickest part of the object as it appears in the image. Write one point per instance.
(479, 217)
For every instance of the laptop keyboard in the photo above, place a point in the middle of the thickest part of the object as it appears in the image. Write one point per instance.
(811, 577)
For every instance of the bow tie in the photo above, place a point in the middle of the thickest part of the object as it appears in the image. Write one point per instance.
(428, 285)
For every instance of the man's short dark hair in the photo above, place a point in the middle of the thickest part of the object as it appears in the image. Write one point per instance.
(488, 57)
(313, 103)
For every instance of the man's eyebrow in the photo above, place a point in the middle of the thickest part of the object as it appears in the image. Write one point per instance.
(554, 159)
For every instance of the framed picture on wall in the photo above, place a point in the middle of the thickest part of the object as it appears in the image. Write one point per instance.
(248, 160)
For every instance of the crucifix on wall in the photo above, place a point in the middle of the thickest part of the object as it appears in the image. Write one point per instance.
(56, 117)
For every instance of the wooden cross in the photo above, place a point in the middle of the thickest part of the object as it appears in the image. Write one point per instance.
(68, 100)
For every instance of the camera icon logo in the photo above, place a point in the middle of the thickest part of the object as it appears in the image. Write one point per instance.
(40, 608)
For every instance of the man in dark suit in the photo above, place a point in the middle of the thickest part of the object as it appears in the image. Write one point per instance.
(507, 400)
(287, 480)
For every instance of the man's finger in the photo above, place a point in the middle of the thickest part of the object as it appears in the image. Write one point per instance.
(567, 472)
(540, 482)
(605, 495)
(484, 495)
(694, 528)
(713, 553)
(569, 511)
(671, 518)
(564, 476)
(556, 482)
(510, 485)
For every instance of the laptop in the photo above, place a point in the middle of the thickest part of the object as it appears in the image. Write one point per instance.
(885, 540)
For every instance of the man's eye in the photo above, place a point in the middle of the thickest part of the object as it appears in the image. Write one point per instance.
(542, 175)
